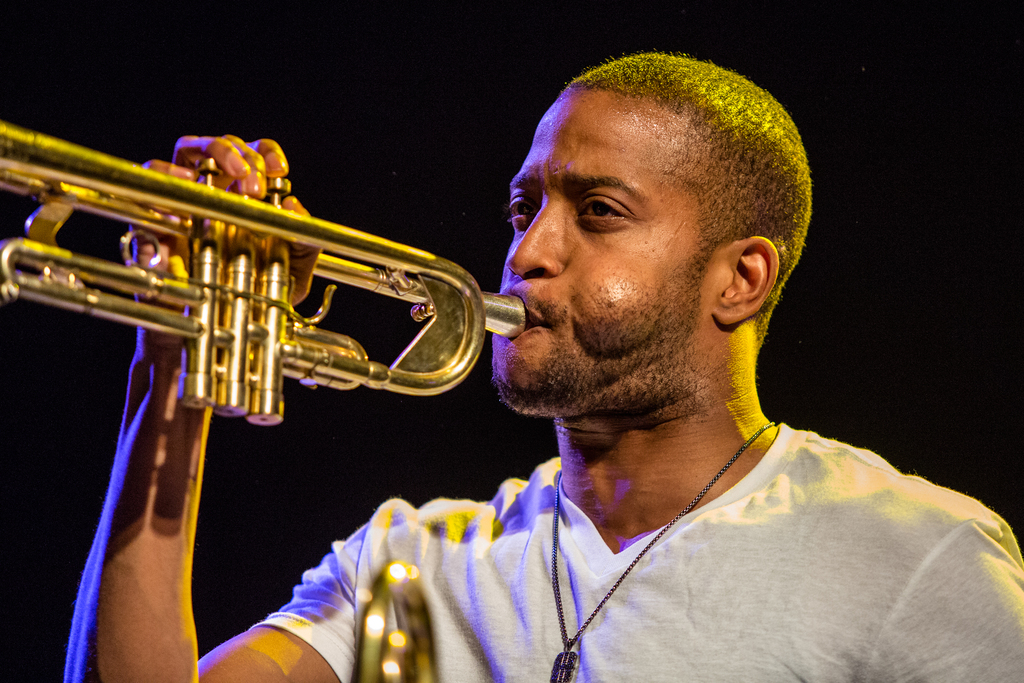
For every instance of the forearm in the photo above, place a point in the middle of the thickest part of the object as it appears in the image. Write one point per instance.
(133, 618)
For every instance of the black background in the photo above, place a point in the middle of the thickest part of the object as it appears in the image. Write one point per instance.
(899, 331)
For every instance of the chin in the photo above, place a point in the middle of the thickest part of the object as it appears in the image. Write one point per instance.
(524, 401)
(519, 388)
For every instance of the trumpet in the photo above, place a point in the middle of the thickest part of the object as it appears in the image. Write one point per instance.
(406, 652)
(233, 310)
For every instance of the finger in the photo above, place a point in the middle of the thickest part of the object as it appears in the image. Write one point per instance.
(273, 155)
(302, 256)
(146, 251)
(255, 183)
(170, 249)
(173, 251)
(294, 205)
(170, 169)
(303, 261)
(252, 156)
(191, 148)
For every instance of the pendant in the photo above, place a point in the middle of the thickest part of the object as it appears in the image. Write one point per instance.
(565, 663)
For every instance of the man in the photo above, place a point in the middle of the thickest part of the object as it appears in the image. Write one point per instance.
(661, 207)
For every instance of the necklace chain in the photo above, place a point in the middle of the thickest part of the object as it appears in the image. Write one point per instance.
(569, 643)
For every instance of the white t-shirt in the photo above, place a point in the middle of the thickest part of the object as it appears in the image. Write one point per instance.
(822, 564)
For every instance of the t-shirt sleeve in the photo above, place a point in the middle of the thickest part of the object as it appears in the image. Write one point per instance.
(961, 615)
(323, 607)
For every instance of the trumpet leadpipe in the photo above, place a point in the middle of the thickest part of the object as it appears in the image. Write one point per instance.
(505, 315)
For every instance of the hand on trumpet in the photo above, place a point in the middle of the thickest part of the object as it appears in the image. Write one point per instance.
(244, 168)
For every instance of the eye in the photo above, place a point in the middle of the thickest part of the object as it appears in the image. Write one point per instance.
(520, 207)
(599, 213)
(599, 208)
(520, 213)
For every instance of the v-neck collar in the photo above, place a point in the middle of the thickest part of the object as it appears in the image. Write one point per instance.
(599, 557)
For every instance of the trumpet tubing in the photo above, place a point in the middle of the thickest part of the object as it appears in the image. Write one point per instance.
(233, 310)
(404, 653)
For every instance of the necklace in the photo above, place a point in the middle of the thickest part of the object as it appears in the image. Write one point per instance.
(565, 661)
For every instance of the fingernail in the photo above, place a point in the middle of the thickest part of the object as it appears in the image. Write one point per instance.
(274, 159)
(251, 185)
(241, 167)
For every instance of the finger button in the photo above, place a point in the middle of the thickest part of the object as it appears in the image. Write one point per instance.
(207, 170)
(277, 190)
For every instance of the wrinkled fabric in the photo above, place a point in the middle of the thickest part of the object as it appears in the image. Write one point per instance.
(823, 564)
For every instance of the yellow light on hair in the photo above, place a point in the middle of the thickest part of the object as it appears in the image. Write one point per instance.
(397, 571)
(397, 639)
(391, 667)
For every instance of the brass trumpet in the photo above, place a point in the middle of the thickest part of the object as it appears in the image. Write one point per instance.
(406, 652)
(241, 334)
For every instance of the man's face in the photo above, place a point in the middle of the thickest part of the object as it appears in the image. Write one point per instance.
(606, 256)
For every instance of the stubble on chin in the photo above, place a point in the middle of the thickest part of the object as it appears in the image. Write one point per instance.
(636, 362)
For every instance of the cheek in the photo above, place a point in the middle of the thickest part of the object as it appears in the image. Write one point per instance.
(615, 316)
(506, 269)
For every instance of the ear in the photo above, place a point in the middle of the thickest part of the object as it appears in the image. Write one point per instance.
(749, 267)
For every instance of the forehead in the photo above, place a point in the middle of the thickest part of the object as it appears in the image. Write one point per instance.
(602, 133)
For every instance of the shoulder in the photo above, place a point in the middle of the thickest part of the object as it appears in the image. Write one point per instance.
(859, 490)
(515, 505)
(829, 472)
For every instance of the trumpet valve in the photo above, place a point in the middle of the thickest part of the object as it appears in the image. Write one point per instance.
(277, 190)
(199, 388)
(207, 170)
(234, 390)
(267, 399)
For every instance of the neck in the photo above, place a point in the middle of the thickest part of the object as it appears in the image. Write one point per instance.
(632, 475)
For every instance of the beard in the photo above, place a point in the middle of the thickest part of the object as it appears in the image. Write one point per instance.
(635, 359)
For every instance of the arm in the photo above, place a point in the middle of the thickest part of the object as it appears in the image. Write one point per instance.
(133, 617)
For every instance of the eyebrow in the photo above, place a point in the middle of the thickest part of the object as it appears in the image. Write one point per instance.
(581, 181)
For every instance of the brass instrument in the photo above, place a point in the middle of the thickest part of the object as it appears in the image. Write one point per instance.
(404, 653)
(241, 334)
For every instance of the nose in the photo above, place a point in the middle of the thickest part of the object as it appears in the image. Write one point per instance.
(539, 251)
